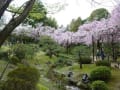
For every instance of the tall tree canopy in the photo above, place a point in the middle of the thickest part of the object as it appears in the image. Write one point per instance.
(49, 21)
(98, 14)
(75, 24)
(36, 15)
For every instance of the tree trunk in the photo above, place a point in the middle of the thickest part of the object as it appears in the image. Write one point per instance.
(14, 22)
(4, 5)
(80, 59)
(113, 48)
(93, 48)
(80, 65)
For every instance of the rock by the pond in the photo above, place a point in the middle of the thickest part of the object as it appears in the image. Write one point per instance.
(72, 88)
(82, 85)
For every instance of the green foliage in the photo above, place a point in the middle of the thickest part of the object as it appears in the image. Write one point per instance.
(75, 24)
(41, 87)
(49, 21)
(36, 15)
(50, 46)
(22, 51)
(21, 38)
(62, 61)
(85, 86)
(85, 50)
(41, 58)
(108, 48)
(22, 78)
(4, 52)
(85, 60)
(19, 51)
(84, 21)
(26, 73)
(47, 41)
(14, 60)
(99, 85)
(98, 14)
(103, 63)
(100, 73)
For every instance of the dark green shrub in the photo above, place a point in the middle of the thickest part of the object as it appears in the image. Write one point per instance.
(14, 60)
(3, 54)
(84, 49)
(85, 60)
(22, 78)
(19, 51)
(99, 85)
(103, 63)
(60, 62)
(100, 73)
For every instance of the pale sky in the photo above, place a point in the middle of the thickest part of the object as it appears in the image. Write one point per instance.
(74, 9)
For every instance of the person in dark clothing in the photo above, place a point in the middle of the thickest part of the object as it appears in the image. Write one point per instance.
(85, 78)
(102, 55)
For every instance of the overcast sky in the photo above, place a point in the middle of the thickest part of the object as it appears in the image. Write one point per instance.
(74, 9)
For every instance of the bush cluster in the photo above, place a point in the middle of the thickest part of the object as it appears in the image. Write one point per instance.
(100, 73)
(22, 51)
(22, 78)
(103, 63)
(99, 85)
(85, 60)
(62, 61)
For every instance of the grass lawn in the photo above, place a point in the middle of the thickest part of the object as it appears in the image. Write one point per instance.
(49, 84)
(114, 83)
(41, 87)
(41, 58)
(87, 68)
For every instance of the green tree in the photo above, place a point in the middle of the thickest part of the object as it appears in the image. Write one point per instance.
(50, 46)
(81, 54)
(49, 21)
(23, 51)
(75, 23)
(98, 14)
(36, 15)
